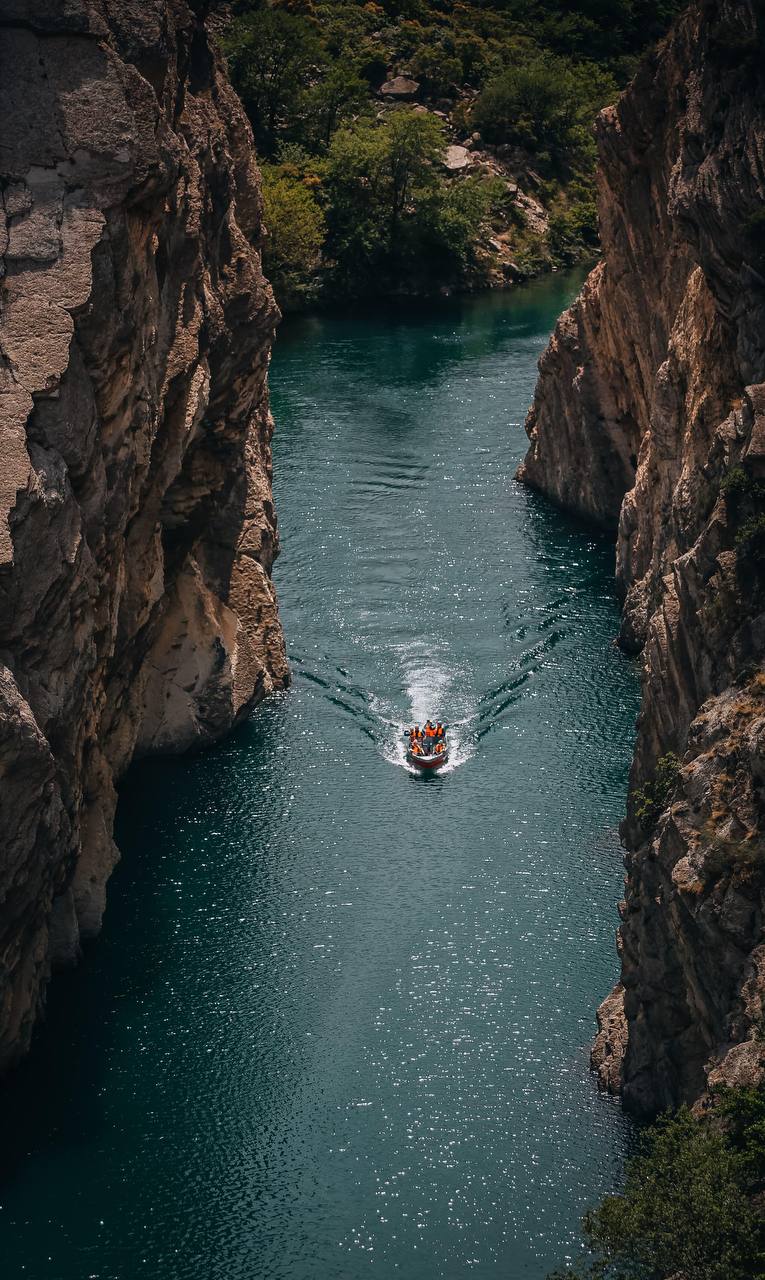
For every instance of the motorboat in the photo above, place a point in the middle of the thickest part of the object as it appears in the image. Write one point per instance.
(431, 755)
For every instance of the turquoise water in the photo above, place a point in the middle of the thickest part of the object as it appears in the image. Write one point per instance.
(337, 1024)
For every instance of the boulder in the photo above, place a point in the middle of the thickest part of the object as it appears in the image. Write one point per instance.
(400, 87)
(457, 158)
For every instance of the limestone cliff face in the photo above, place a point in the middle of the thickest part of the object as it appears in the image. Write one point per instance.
(650, 417)
(137, 529)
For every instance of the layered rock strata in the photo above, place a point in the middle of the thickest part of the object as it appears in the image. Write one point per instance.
(650, 418)
(137, 529)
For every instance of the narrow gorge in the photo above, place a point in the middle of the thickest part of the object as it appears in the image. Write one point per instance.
(649, 417)
(137, 527)
(340, 1017)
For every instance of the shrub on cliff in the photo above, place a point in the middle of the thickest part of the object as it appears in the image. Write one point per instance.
(745, 500)
(744, 860)
(651, 800)
(574, 228)
(688, 1206)
(750, 540)
(742, 492)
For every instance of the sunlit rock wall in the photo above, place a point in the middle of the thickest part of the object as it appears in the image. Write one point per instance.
(652, 393)
(137, 529)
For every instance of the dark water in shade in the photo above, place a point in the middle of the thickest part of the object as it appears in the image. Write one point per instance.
(337, 1024)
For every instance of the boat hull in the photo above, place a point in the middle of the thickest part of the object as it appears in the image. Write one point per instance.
(428, 764)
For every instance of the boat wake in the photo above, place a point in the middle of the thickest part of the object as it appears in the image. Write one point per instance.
(430, 684)
(431, 687)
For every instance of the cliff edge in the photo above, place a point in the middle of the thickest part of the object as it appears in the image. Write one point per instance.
(649, 417)
(137, 529)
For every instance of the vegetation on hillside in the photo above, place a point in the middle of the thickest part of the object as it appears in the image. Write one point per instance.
(651, 800)
(744, 496)
(691, 1208)
(358, 198)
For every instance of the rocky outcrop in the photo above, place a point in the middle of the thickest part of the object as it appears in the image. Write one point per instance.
(137, 529)
(400, 88)
(650, 418)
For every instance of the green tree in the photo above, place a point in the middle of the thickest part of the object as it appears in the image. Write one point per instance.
(437, 69)
(295, 225)
(684, 1209)
(604, 30)
(742, 1112)
(270, 53)
(413, 144)
(689, 1205)
(451, 222)
(574, 230)
(546, 105)
(474, 55)
(377, 177)
(328, 103)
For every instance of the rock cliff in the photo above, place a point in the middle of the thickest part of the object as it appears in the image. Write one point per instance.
(137, 529)
(649, 417)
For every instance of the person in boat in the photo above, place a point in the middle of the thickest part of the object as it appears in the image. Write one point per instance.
(440, 748)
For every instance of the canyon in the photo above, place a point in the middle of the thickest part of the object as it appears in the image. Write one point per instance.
(137, 528)
(343, 1000)
(649, 417)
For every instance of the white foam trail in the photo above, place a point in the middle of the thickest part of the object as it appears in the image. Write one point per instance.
(432, 688)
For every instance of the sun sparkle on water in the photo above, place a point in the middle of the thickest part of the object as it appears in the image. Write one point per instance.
(337, 1023)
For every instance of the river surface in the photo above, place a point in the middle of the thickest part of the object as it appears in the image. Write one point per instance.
(338, 1021)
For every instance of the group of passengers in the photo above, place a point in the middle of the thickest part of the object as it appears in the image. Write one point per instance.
(428, 741)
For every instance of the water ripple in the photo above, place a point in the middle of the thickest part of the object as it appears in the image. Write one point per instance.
(337, 1023)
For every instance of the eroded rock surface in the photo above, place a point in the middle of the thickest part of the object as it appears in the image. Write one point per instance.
(650, 417)
(137, 529)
